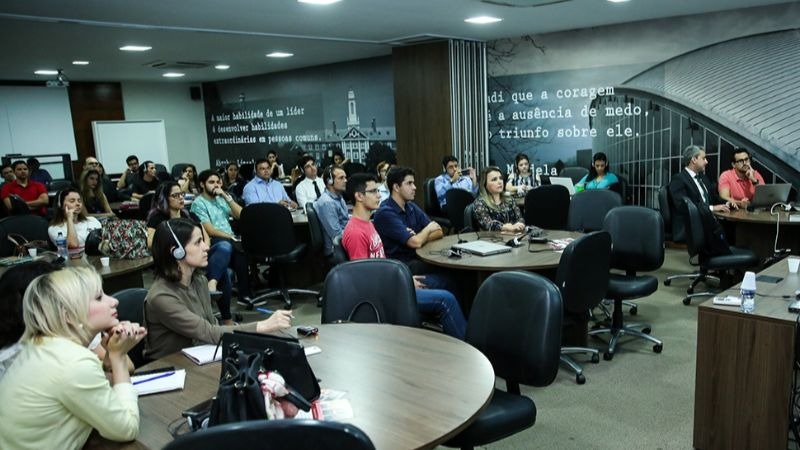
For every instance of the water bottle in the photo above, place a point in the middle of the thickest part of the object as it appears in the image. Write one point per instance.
(61, 244)
(748, 292)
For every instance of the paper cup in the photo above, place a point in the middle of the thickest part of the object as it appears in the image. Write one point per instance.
(794, 263)
(33, 252)
(105, 261)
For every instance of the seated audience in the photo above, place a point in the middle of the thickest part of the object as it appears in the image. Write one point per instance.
(168, 203)
(178, 307)
(188, 181)
(312, 186)
(382, 169)
(59, 390)
(231, 176)
(453, 178)
(263, 189)
(738, 184)
(71, 222)
(361, 240)
(94, 199)
(522, 179)
(599, 176)
(339, 159)
(32, 192)
(8, 174)
(36, 173)
(276, 168)
(127, 178)
(331, 208)
(146, 182)
(493, 211)
(109, 188)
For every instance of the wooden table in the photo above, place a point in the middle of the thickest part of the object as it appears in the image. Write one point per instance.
(744, 369)
(756, 230)
(120, 274)
(409, 387)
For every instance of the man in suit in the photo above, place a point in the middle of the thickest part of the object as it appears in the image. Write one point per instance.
(691, 183)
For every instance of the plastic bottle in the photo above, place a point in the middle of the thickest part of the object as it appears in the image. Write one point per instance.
(748, 292)
(61, 244)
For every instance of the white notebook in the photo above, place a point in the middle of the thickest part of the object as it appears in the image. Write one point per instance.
(203, 354)
(152, 383)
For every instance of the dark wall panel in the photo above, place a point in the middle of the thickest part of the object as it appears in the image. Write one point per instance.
(88, 102)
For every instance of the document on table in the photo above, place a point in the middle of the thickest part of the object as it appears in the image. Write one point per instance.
(203, 354)
(159, 382)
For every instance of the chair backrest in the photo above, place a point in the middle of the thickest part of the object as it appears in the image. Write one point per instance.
(314, 226)
(430, 201)
(339, 253)
(576, 173)
(131, 308)
(695, 233)
(587, 209)
(665, 211)
(385, 283)
(267, 230)
(621, 188)
(547, 207)
(30, 226)
(177, 170)
(470, 221)
(516, 323)
(145, 203)
(353, 168)
(637, 234)
(457, 202)
(59, 185)
(582, 275)
(287, 434)
(160, 168)
(18, 206)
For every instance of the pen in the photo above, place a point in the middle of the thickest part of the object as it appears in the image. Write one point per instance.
(154, 371)
(269, 311)
(163, 375)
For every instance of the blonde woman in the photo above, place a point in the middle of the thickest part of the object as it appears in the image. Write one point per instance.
(493, 211)
(59, 390)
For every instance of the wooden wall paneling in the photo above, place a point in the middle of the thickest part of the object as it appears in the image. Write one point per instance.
(90, 101)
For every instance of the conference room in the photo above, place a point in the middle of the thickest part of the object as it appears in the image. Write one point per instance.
(410, 84)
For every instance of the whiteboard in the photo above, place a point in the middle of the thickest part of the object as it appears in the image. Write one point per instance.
(36, 121)
(115, 140)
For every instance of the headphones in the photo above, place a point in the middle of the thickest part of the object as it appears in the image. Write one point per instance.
(60, 198)
(327, 175)
(179, 252)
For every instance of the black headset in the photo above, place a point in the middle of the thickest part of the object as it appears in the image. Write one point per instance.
(178, 252)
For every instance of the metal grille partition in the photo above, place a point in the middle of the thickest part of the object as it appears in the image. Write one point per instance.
(468, 103)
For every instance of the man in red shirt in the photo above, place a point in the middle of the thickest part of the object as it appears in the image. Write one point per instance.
(32, 192)
(738, 185)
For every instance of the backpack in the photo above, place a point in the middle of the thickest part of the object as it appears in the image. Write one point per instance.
(122, 239)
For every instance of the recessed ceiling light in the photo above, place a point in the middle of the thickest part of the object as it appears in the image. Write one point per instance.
(135, 48)
(618, 1)
(80, 63)
(46, 72)
(279, 55)
(319, 2)
(222, 67)
(482, 20)
(173, 75)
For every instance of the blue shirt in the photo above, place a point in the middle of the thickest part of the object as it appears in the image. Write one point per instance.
(443, 184)
(393, 223)
(605, 183)
(261, 191)
(333, 216)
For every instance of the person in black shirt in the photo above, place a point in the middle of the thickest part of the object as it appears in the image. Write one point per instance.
(146, 182)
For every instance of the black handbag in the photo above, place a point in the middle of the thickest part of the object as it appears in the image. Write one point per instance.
(239, 397)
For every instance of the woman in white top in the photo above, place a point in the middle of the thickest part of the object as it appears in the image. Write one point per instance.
(57, 384)
(71, 222)
(523, 179)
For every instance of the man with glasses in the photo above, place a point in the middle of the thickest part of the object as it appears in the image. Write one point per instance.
(312, 187)
(331, 208)
(738, 184)
(263, 189)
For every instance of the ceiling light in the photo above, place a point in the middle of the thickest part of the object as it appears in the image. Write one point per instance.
(618, 1)
(46, 72)
(482, 20)
(279, 55)
(319, 2)
(80, 63)
(135, 48)
(222, 67)
(173, 75)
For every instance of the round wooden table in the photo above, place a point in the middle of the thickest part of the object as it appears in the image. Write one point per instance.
(120, 274)
(409, 387)
(756, 230)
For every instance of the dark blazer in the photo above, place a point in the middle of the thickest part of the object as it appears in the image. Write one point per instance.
(682, 186)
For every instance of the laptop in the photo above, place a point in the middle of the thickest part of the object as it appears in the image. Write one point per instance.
(482, 248)
(768, 194)
(564, 181)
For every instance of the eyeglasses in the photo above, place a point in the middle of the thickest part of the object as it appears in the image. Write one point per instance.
(177, 195)
(743, 160)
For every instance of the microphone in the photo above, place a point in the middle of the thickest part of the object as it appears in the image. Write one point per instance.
(458, 234)
(785, 207)
(517, 240)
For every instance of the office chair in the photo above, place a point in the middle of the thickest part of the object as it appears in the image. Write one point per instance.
(267, 232)
(588, 209)
(286, 434)
(339, 253)
(637, 234)
(696, 244)
(352, 168)
(621, 188)
(60, 185)
(516, 323)
(470, 221)
(18, 206)
(353, 288)
(547, 207)
(457, 202)
(676, 234)
(145, 203)
(582, 278)
(131, 308)
(29, 226)
(317, 240)
(575, 173)
(431, 204)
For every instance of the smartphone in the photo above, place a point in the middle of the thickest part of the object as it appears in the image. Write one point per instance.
(307, 331)
(768, 279)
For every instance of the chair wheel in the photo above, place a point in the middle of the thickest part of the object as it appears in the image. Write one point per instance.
(687, 301)
(667, 282)
(634, 310)
(646, 330)
(690, 290)
(580, 379)
(608, 356)
(595, 358)
(657, 348)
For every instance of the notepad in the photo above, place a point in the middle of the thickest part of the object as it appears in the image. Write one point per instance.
(203, 354)
(158, 382)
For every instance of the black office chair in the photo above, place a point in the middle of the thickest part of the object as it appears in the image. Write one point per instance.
(177, 170)
(160, 168)
(60, 185)
(696, 244)
(30, 226)
(339, 253)
(131, 308)
(317, 240)
(267, 232)
(516, 323)
(621, 188)
(18, 206)
(575, 173)
(588, 209)
(354, 288)
(352, 168)
(287, 434)
(582, 278)
(457, 202)
(547, 207)
(470, 221)
(666, 213)
(637, 234)
(145, 203)
(431, 204)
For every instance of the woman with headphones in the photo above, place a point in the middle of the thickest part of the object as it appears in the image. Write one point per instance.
(522, 180)
(492, 210)
(599, 176)
(177, 310)
(70, 221)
